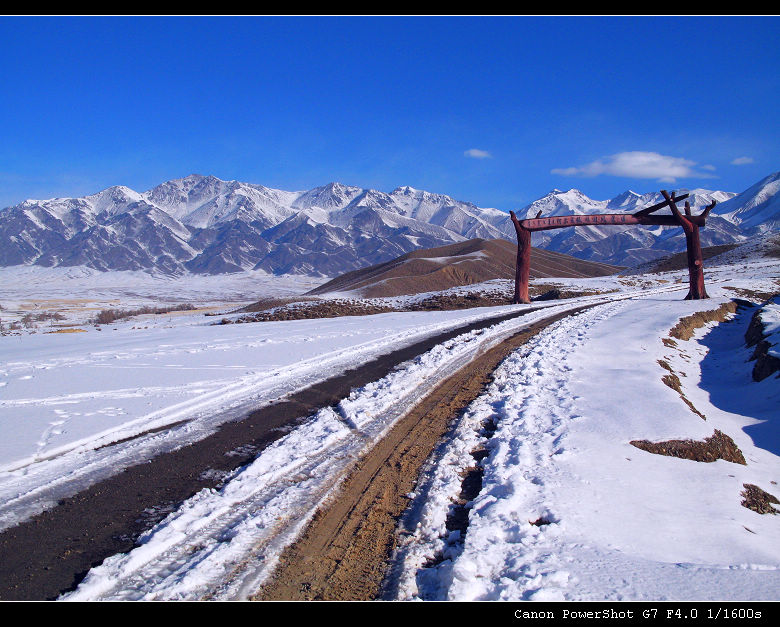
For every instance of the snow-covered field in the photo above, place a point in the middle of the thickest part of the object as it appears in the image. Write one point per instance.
(79, 293)
(623, 523)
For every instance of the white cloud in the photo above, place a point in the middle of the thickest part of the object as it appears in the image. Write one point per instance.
(476, 153)
(743, 161)
(640, 165)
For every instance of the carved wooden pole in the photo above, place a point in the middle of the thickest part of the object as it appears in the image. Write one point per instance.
(696, 290)
(523, 269)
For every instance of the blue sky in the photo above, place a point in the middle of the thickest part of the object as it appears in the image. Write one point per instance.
(496, 111)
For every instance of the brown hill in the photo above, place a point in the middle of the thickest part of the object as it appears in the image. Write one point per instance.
(462, 263)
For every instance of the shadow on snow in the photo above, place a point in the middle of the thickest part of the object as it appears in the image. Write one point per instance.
(726, 376)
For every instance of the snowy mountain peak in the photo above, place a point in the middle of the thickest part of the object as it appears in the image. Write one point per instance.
(571, 196)
(627, 196)
(757, 209)
(627, 201)
(560, 203)
(332, 196)
(114, 199)
(208, 225)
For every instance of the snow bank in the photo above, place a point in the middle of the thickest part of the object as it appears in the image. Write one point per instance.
(612, 521)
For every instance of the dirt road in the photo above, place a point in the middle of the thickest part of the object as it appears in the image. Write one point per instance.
(49, 554)
(344, 552)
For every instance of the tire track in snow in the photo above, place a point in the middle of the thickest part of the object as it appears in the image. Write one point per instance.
(223, 544)
(529, 405)
(29, 486)
(343, 553)
(110, 513)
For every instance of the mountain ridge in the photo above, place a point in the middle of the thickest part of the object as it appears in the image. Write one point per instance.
(203, 224)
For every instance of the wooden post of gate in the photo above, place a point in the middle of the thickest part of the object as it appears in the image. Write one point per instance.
(696, 289)
(523, 267)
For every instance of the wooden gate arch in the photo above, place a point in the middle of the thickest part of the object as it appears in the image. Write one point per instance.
(690, 224)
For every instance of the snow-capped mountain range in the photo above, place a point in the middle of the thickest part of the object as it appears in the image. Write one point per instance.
(202, 224)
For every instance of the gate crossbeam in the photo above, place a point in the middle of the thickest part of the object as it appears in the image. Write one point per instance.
(688, 222)
(601, 219)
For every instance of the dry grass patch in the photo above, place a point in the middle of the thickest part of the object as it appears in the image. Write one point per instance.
(264, 304)
(685, 328)
(717, 446)
(758, 500)
(68, 330)
(319, 309)
(107, 316)
(446, 302)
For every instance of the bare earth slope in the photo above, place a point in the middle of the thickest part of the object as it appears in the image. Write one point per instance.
(463, 263)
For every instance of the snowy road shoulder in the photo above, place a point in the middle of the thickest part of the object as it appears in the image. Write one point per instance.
(611, 521)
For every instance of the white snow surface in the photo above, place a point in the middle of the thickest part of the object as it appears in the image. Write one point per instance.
(64, 396)
(624, 524)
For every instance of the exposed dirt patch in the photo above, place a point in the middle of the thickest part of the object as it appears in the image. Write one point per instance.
(446, 302)
(755, 331)
(758, 500)
(309, 310)
(556, 294)
(673, 381)
(540, 522)
(756, 296)
(344, 552)
(717, 446)
(685, 328)
(269, 303)
(766, 364)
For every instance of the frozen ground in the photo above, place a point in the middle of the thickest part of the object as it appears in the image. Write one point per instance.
(618, 523)
(624, 524)
(770, 319)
